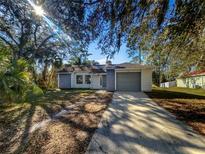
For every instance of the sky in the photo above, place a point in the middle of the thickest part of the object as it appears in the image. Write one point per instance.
(97, 55)
(120, 57)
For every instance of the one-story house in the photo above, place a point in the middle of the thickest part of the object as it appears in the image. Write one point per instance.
(194, 79)
(111, 77)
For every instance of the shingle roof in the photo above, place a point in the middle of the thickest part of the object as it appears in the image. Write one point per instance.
(102, 68)
(130, 65)
(89, 69)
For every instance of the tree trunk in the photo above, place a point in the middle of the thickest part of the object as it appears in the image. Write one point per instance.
(44, 75)
(140, 56)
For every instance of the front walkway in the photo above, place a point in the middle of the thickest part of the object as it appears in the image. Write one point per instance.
(135, 124)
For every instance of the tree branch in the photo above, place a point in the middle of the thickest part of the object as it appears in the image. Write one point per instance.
(44, 41)
(7, 42)
(35, 31)
(89, 3)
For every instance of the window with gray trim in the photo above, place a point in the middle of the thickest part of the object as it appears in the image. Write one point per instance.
(79, 79)
(87, 79)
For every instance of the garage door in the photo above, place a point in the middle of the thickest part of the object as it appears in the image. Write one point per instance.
(64, 81)
(128, 81)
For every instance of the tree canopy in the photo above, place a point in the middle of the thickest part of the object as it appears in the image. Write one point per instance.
(169, 33)
(134, 21)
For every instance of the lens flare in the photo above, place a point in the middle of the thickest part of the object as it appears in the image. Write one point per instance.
(39, 10)
(54, 28)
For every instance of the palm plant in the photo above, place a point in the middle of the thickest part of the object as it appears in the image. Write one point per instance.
(15, 80)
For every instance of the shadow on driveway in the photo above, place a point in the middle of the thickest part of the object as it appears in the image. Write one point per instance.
(135, 124)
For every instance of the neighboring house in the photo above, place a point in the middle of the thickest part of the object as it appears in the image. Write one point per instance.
(111, 77)
(195, 79)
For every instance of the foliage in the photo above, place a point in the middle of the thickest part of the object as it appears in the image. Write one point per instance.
(138, 20)
(169, 34)
(32, 36)
(36, 39)
(15, 80)
(4, 56)
(15, 77)
(81, 57)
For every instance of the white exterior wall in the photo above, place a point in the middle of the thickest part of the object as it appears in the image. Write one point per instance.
(95, 81)
(181, 82)
(191, 82)
(146, 79)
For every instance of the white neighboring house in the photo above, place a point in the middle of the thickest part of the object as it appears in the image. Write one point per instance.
(195, 79)
(111, 77)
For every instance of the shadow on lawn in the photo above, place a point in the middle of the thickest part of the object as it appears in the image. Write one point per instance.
(165, 94)
(51, 103)
(187, 107)
(10, 122)
(54, 101)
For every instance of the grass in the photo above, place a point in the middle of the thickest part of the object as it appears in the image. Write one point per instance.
(185, 91)
(187, 104)
(69, 133)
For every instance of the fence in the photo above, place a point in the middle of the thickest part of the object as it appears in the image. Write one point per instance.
(168, 84)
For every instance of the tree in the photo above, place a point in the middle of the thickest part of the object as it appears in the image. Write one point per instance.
(35, 38)
(119, 20)
(80, 57)
(177, 27)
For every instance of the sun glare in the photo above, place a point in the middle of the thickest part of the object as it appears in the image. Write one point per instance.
(39, 10)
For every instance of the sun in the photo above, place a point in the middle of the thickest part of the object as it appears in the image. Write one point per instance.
(39, 10)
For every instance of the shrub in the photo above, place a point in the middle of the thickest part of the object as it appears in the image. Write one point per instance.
(16, 82)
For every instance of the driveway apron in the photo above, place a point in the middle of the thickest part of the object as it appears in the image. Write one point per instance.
(133, 124)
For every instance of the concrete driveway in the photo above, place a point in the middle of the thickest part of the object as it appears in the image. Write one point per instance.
(135, 124)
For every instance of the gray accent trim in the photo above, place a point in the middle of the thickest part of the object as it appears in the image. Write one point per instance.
(64, 81)
(110, 83)
(104, 81)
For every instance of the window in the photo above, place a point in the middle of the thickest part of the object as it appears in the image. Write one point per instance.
(101, 81)
(79, 79)
(87, 79)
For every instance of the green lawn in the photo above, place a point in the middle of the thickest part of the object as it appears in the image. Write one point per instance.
(187, 104)
(69, 133)
(183, 91)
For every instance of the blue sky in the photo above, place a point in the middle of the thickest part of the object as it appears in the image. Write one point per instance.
(120, 57)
